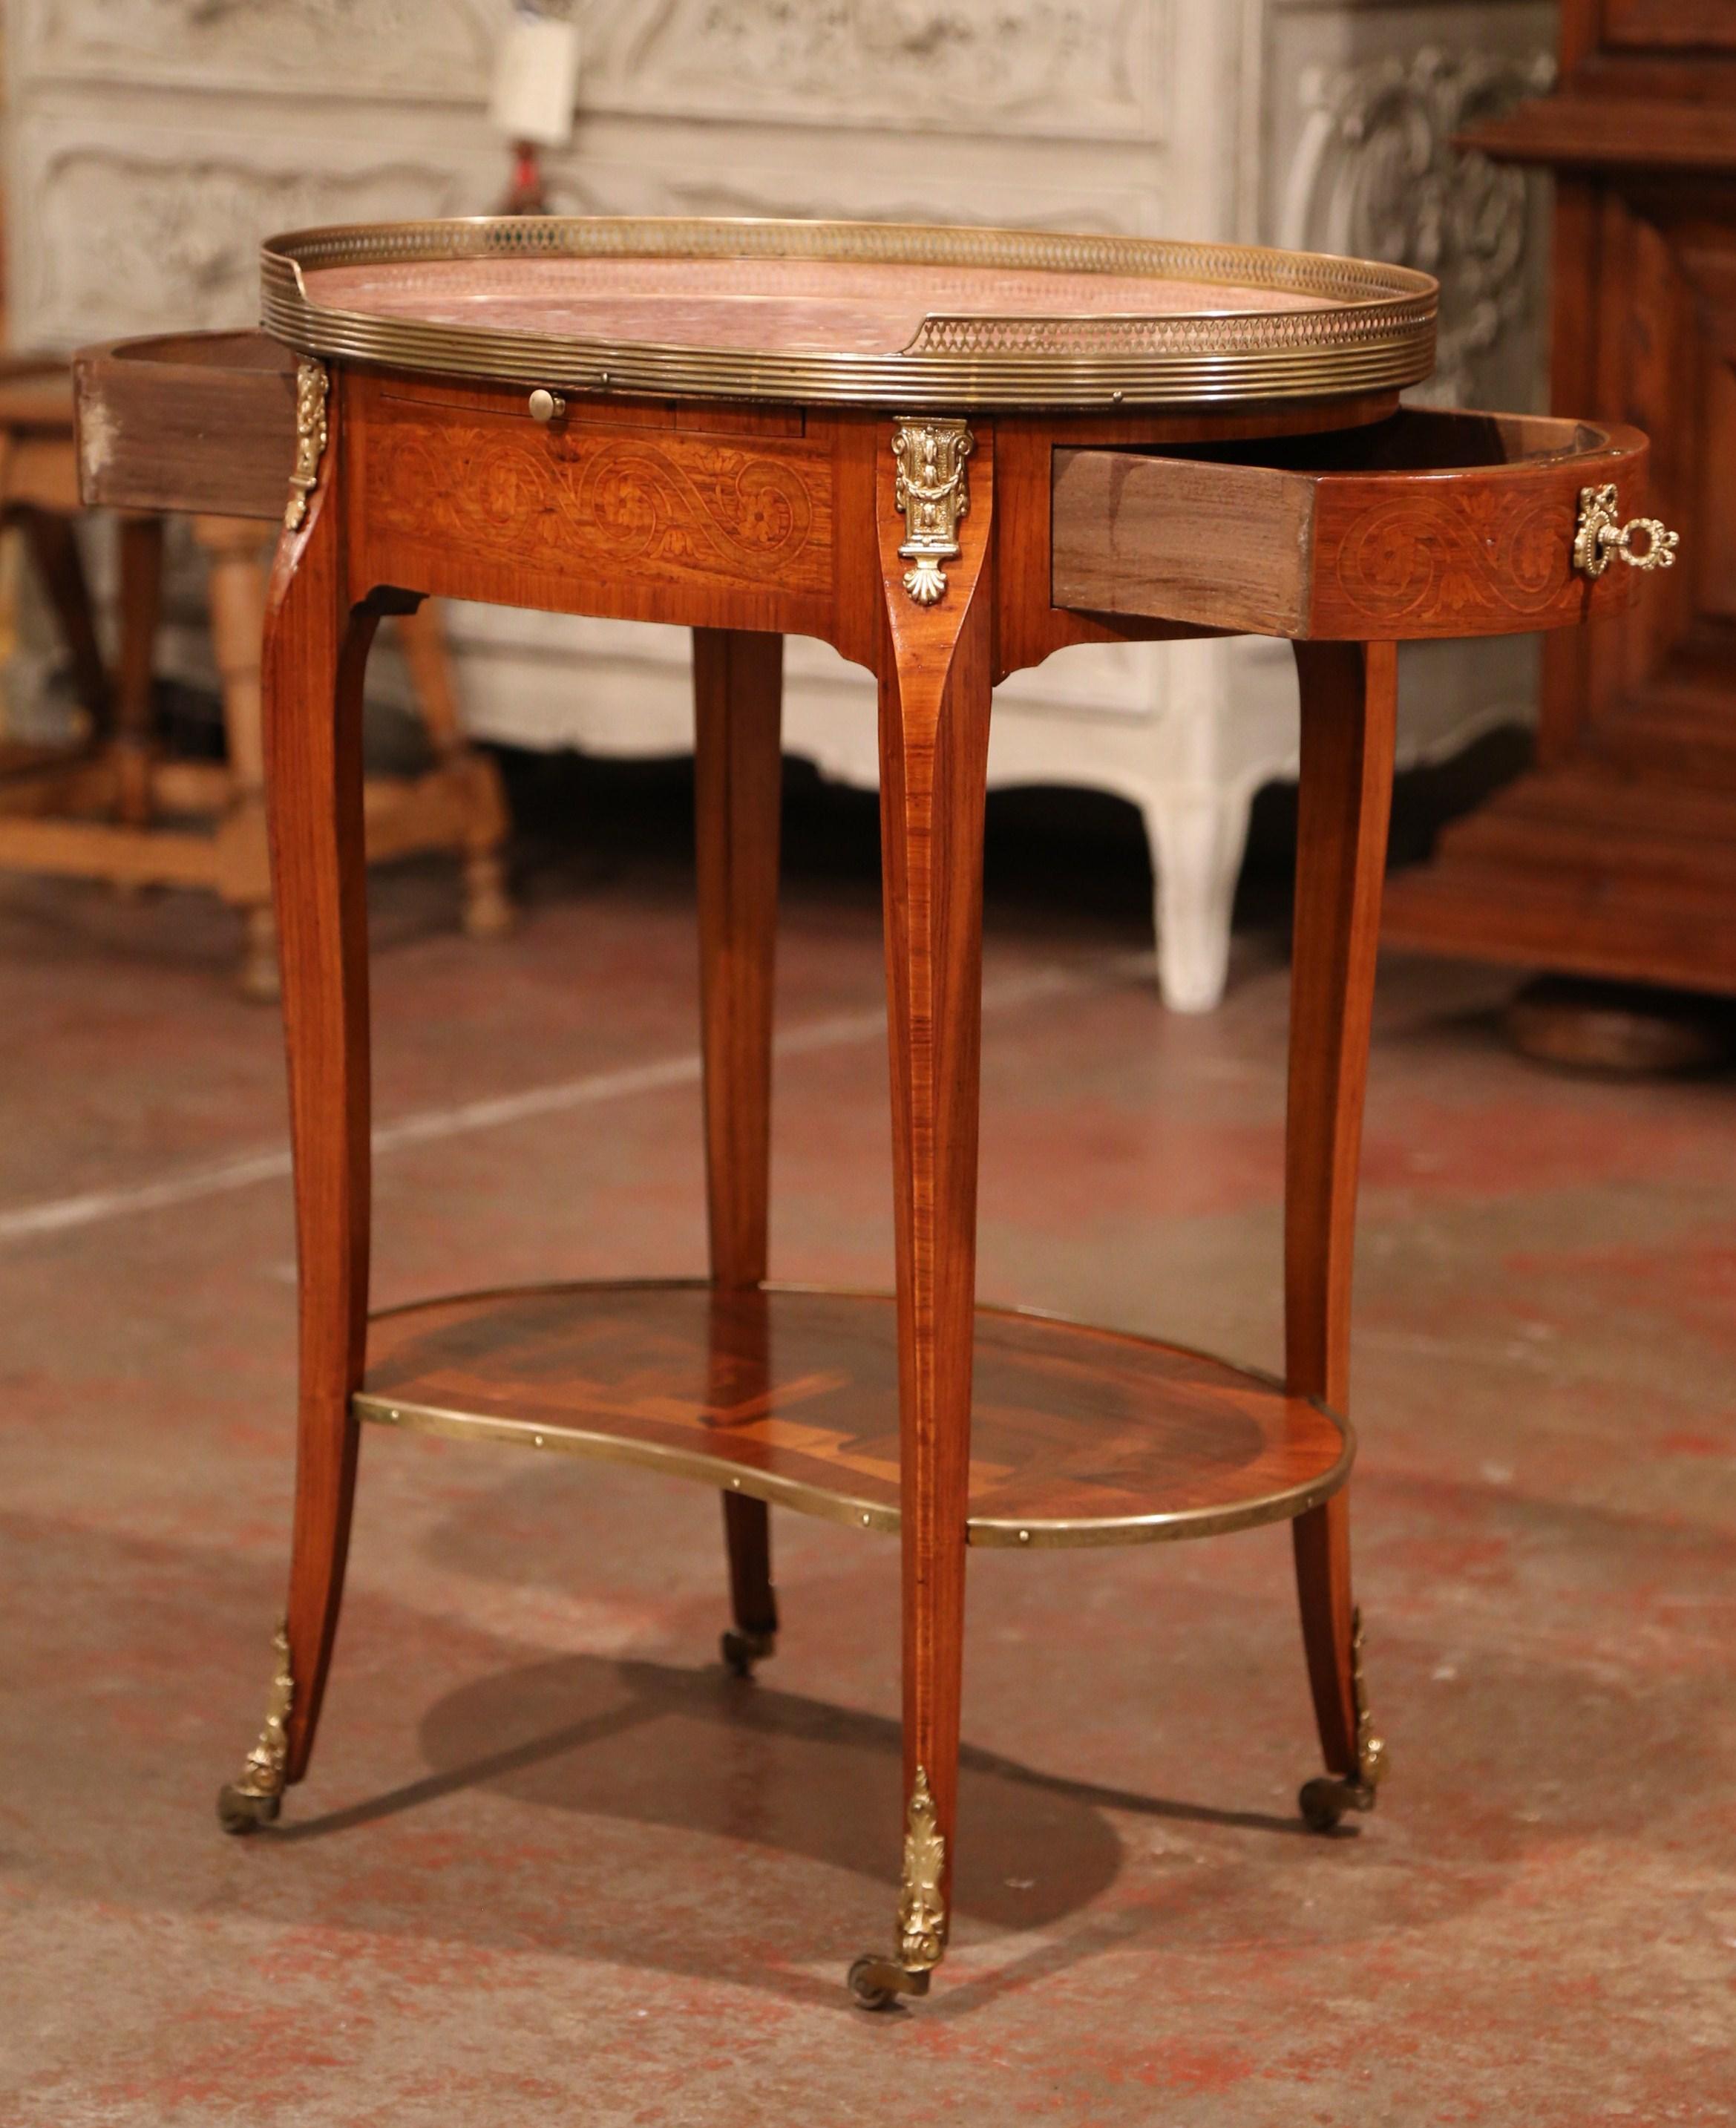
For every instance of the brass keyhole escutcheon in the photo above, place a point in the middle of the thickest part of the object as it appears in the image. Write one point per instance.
(546, 405)
(1601, 535)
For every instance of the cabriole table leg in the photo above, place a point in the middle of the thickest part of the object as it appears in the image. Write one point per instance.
(1347, 709)
(315, 653)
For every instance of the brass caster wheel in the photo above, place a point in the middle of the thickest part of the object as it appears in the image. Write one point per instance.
(876, 1982)
(741, 1651)
(1323, 1801)
(239, 1812)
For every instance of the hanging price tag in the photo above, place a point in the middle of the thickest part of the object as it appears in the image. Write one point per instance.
(536, 82)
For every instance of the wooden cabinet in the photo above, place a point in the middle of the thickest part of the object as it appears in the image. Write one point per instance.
(1616, 856)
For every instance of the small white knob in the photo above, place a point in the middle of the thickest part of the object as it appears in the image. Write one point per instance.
(546, 405)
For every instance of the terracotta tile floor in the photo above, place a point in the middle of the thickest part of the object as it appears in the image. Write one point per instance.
(551, 1866)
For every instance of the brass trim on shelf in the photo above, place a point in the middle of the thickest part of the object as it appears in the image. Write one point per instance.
(826, 1503)
(716, 1470)
(1376, 333)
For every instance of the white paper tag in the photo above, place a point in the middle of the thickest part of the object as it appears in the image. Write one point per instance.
(536, 82)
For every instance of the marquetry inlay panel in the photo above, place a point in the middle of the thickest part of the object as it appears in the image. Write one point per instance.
(660, 505)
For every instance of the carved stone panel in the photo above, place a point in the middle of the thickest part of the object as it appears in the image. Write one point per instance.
(1374, 173)
(132, 236)
(1074, 68)
(397, 47)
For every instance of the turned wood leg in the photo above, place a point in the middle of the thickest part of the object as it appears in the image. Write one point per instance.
(233, 548)
(1348, 701)
(314, 653)
(488, 909)
(935, 681)
(737, 684)
(54, 546)
(1197, 838)
(422, 639)
(141, 605)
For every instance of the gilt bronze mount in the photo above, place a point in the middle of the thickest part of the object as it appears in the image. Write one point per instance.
(1324, 1801)
(254, 1798)
(1601, 535)
(921, 1912)
(932, 496)
(312, 387)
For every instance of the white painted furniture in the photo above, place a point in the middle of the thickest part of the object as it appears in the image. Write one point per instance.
(152, 142)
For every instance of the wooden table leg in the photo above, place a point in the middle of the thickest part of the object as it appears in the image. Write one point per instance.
(232, 550)
(141, 605)
(1348, 708)
(54, 546)
(935, 682)
(488, 908)
(737, 680)
(315, 653)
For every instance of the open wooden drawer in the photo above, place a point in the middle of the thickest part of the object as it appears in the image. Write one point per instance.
(1426, 525)
(203, 422)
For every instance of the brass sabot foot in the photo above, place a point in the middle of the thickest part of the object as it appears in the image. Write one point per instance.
(1324, 1801)
(922, 1917)
(256, 1797)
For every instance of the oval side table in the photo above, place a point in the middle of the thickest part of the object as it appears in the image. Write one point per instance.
(948, 453)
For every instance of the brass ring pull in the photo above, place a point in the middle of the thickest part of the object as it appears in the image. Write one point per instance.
(546, 405)
(1601, 534)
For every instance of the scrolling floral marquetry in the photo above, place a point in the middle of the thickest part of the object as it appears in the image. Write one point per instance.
(922, 1917)
(1488, 551)
(933, 496)
(311, 387)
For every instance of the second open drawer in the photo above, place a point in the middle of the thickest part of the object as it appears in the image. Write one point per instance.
(1425, 524)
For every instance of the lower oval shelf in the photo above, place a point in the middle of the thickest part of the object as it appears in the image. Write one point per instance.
(789, 1394)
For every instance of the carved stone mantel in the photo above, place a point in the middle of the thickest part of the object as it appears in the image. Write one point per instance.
(152, 142)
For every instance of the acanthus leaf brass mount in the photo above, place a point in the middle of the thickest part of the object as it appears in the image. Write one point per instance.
(312, 386)
(875, 1981)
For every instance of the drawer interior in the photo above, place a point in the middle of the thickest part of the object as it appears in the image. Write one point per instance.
(1415, 439)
